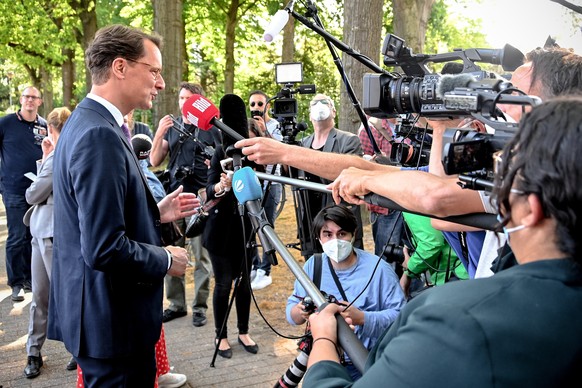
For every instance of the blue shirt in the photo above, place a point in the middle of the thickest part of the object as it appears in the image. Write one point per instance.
(381, 301)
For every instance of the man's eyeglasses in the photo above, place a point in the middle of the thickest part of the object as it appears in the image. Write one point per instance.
(29, 97)
(259, 104)
(156, 72)
(325, 102)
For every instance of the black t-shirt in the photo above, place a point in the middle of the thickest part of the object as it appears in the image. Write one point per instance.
(190, 157)
(20, 148)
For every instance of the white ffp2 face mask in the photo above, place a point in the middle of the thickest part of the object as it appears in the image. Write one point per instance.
(320, 112)
(337, 250)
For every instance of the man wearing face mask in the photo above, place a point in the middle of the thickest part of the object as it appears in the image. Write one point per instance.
(326, 138)
(344, 273)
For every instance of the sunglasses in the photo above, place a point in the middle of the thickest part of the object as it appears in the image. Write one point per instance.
(259, 104)
(325, 102)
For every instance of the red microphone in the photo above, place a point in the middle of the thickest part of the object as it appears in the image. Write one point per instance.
(201, 112)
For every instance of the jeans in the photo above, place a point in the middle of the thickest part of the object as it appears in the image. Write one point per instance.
(18, 242)
(271, 202)
(384, 227)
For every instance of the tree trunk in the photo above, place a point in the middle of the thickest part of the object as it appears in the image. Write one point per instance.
(362, 32)
(411, 20)
(231, 22)
(169, 23)
(85, 9)
(68, 74)
(288, 51)
(48, 93)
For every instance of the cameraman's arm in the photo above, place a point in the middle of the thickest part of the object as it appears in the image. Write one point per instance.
(435, 165)
(160, 145)
(324, 164)
(414, 190)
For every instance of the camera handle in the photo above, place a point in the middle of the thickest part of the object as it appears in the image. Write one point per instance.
(312, 11)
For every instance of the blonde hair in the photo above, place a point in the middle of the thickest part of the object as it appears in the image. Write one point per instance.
(56, 119)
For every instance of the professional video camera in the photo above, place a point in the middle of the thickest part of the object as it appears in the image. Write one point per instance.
(423, 92)
(473, 93)
(412, 145)
(285, 105)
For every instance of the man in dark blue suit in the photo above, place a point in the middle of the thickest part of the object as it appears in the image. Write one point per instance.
(108, 268)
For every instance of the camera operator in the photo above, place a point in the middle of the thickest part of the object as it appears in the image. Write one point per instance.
(386, 223)
(326, 138)
(343, 272)
(496, 329)
(267, 127)
(189, 160)
(535, 77)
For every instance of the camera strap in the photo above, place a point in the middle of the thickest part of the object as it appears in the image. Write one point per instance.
(175, 156)
(336, 280)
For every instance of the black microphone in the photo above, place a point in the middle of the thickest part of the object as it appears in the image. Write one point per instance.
(234, 115)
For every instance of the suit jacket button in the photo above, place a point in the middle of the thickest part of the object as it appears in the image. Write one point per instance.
(158, 222)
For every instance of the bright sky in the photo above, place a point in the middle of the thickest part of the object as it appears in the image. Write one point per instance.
(525, 24)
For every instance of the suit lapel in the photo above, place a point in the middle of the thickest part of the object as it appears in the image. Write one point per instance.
(103, 112)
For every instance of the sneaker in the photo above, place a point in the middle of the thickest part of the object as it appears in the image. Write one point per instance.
(27, 287)
(17, 294)
(171, 380)
(199, 319)
(253, 275)
(261, 281)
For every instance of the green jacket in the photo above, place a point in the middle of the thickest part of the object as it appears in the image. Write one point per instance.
(432, 252)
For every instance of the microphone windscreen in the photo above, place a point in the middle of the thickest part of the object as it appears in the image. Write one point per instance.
(449, 83)
(234, 115)
(278, 22)
(246, 186)
(452, 68)
(142, 145)
(200, 111)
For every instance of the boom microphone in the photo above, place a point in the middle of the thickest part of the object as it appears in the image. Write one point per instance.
(278, 22)
(204, 114)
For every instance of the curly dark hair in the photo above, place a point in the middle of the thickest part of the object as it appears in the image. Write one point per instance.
(542, 160)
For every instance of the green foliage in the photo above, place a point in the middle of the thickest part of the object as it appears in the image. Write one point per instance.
(34, 32)
(445, 34)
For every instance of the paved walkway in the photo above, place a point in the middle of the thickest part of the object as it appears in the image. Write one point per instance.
(190, 349)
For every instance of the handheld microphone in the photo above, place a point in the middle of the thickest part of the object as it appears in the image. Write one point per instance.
(204, 114)
(247, 190)
(234, 115)
(142, 145)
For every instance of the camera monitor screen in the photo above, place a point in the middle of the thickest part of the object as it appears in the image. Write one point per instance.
(289, 73)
